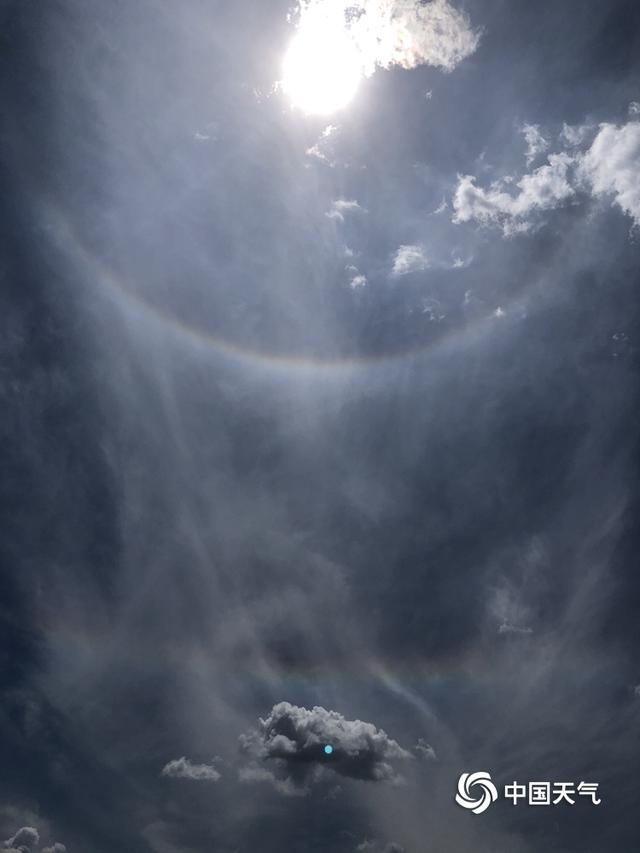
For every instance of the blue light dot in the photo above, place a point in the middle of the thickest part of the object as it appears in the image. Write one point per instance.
(328, 749)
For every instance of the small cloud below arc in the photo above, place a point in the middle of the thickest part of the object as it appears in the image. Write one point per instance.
(292, 739)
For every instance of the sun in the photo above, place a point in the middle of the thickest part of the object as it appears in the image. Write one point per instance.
(322, 68)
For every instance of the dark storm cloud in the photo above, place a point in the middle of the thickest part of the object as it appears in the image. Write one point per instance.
(295, 738)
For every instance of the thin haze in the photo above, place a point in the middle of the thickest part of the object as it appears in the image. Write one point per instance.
(318, 428)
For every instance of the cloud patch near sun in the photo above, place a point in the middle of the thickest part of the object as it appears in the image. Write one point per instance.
(402, 33)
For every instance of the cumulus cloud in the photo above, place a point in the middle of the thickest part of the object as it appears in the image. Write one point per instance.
(401, 33)
(612, 166)
(23, 840)
(409, 259)
(547, 187)
(634, 108)
(609, 168)
(27, 839)
(182, 768)
(293, 739)
(536, 143)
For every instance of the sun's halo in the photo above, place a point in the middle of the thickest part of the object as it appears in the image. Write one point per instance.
(322, 68)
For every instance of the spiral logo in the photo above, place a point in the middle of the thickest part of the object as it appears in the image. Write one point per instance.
(477, 801)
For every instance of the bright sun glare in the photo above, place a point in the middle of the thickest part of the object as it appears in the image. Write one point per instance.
(322, 68)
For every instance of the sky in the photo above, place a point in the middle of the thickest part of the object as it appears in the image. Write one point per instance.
(319, 387)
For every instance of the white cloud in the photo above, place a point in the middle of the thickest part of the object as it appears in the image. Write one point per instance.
(357, 278)
(547, 187)
(574, 135)
(409, 259)
(612, 166)
(341, 206)
(321, 150)
(634, 108)
(405, 33)
(182, 768)
(536, 143)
